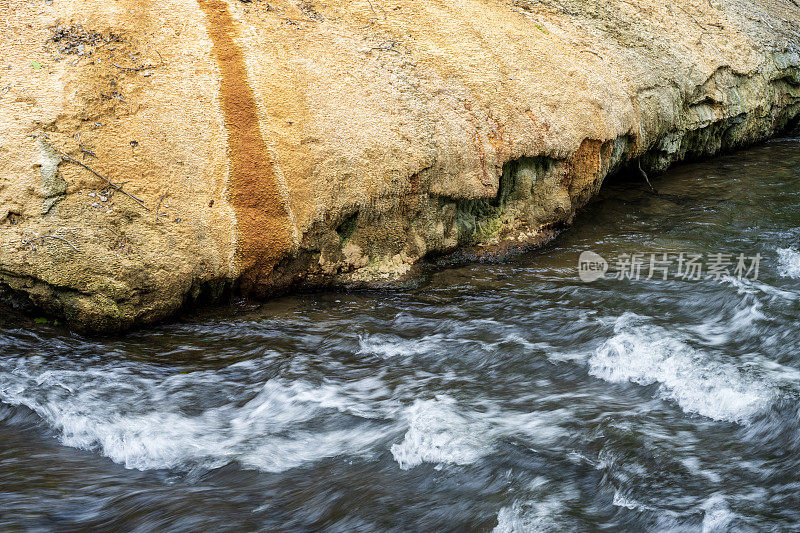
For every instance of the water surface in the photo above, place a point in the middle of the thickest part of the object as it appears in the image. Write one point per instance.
(507, 396)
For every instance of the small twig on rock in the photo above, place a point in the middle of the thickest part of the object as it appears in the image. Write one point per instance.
(143, 67)
(83, 149)
(373, 9)
(110, 183)
(692, 17)
(29, 242)
(295, 22)
(644, 175)
(134, 69)
(158, 207)
(389, 46)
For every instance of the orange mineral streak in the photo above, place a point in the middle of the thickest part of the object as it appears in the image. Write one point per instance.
(264, 235)
(586, 165)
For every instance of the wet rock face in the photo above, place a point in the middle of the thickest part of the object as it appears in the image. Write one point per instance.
(157, 153)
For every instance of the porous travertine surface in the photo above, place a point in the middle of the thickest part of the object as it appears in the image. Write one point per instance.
(154, 152)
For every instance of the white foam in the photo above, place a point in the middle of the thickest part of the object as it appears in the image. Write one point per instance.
(646, 354)
(717, 515)
(136, 417)
(621, 500)
(388, 346)
(535, 516)
(145, 422)
(749, 286)
(547, 349)
(438, 433)
(788, 263)
(719, 330)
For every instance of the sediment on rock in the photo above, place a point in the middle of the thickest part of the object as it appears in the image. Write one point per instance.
(160, 153)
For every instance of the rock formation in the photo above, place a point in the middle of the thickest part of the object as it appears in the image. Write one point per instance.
(157, 151)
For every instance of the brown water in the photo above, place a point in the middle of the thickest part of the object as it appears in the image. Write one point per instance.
(505, 395)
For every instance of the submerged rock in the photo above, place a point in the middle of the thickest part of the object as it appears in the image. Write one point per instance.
(263, 146)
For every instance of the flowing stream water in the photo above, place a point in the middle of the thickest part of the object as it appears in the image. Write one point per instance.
(505, 396)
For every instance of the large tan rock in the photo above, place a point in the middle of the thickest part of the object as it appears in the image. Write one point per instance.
(156, 151)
